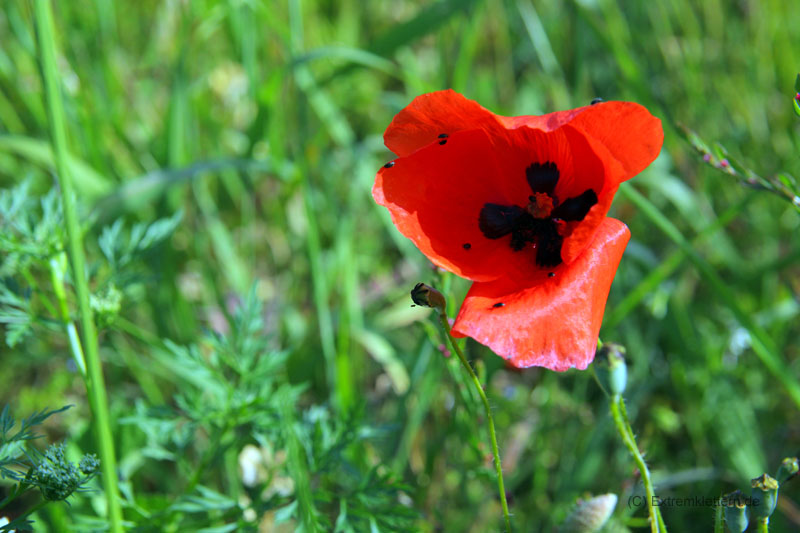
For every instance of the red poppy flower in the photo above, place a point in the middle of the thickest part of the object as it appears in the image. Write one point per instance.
(518, 205)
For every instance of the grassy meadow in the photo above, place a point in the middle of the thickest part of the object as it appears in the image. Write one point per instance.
(264, 369)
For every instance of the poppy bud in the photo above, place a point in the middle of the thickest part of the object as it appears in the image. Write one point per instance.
(590, 515)
(765, 496)
(426, 296)
(735, 511)
(610, 368)
(787, 470)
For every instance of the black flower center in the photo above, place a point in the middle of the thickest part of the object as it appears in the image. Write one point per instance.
(537, 224)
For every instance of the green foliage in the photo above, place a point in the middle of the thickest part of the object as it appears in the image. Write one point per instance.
(56, 477)
(16, 314)
(31, 228)
(233, 397)
(218, 146)
(121, 251)
(14, 446)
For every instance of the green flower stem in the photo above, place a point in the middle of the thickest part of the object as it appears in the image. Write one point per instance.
(763, 525)
(620, 415)
(94, 377)
(495, 452)
(662, 527)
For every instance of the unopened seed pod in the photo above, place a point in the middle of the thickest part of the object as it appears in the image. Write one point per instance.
(590, 515)
(426, 296)
(610, 368)
(764, 495)
(735, 508)
(788, 469)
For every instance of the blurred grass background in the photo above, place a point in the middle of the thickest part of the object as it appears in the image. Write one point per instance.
(262, 123)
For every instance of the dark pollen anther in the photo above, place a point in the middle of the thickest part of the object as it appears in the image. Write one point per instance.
(443, 136)
(596, 101)
(498, 304)
(497, 220)
(575, 209)
(466, 246)
(390, 164)
(542, 177)
(443, 141)
(540, 226)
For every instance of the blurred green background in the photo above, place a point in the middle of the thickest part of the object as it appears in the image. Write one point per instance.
(262, 122)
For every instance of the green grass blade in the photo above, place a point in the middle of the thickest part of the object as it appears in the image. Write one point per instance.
(667, 267)
(761, 343)
(88, 182)
(95, 382)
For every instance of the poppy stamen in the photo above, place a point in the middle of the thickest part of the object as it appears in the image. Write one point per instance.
(541, 223)
(542, 177)
(575, 209)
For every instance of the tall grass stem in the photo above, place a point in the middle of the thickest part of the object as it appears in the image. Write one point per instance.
(94, 377)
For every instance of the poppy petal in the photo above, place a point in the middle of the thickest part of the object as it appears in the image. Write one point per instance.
(554, 323)
(430, 115)
(628, 132)
(436, 196)
(632, 136)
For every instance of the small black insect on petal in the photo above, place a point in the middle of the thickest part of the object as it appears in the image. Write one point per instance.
(443, 141)
(466, 246)
(443, 136)
(551, 274)
(596, 101)
(390, 164)
(542, 177)
(498, 304)
(575, 209)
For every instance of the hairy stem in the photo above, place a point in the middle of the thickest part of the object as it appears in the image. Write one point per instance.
(495, 451)
(625, 431)
(94, 376)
